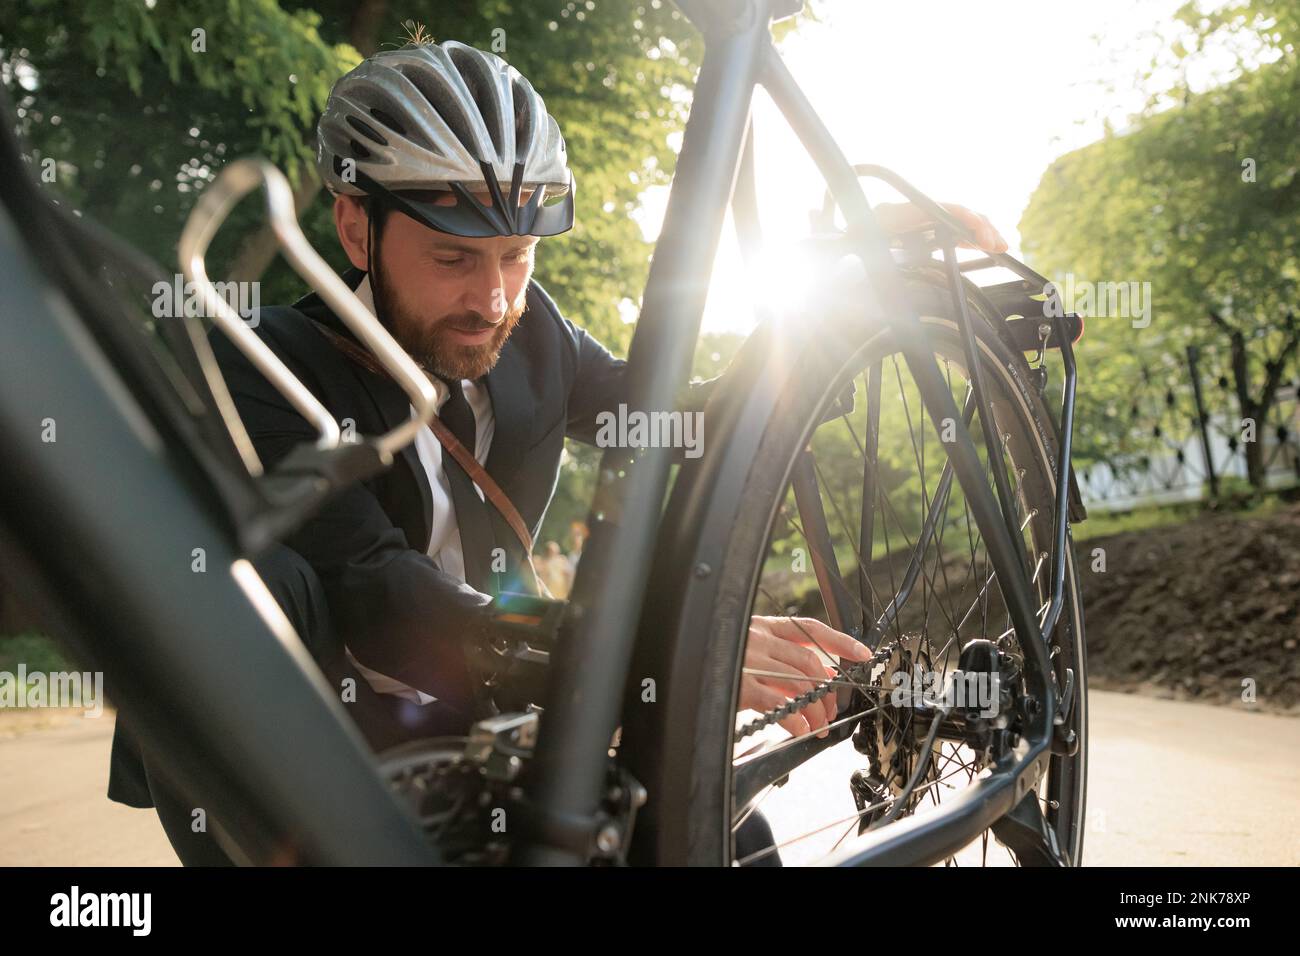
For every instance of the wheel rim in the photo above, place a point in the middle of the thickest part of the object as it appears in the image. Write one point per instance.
(953, 597)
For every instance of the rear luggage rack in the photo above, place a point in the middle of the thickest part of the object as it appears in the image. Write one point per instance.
(1023, 308)
(1035, 318)
(1030, 306)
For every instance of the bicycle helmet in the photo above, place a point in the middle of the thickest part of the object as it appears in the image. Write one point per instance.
(447, 117)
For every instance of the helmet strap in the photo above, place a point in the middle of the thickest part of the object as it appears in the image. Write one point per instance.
(376, 211)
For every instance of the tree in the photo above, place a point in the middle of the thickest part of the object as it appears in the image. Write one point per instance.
(1201, 200)
(138, 122)
(139, 113)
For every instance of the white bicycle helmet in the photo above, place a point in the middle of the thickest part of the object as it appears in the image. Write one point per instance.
(447, 117)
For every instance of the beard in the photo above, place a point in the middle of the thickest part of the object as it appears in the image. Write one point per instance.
(432, 344)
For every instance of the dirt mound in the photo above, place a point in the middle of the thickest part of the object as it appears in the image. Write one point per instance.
(1191, 611)
(1196, 610)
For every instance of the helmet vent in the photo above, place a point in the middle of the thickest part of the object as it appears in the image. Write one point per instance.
(366, 130)
(480, 79)
(525, 121)
(359, 151)
(388, 121)
(444, 103)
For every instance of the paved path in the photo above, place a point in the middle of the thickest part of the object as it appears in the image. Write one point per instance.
(1175, 784)
(1170, 784)
(53, 812)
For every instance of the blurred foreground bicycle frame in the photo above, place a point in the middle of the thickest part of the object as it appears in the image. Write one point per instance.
(215, 681)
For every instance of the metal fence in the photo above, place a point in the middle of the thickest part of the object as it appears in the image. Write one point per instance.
(1184, 439)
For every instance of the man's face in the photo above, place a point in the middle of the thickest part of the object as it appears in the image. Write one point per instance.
(452, 302)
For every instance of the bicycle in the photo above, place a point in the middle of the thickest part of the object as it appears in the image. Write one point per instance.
(651, 643)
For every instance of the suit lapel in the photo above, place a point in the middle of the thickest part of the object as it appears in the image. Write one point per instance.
(393, 407)
(512, 409)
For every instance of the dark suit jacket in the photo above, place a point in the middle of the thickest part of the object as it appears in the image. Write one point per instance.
(387, 599)
(394, 609)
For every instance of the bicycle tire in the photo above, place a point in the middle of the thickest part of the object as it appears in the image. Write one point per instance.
(715, 533)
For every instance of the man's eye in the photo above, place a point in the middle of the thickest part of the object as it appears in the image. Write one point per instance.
(455, 261)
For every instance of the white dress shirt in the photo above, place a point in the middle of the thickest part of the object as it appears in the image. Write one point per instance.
(444, 545)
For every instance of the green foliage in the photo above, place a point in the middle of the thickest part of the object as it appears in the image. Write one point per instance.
(1171, 201)
(1239, 501)
(573, 493)
(139, 122)
(36, 651)
(139, 119)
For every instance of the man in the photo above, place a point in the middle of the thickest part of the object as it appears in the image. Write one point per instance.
(446, 170)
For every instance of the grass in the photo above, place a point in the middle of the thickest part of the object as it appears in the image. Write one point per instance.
(38, 652)
(1140, 519)
(1103, 524)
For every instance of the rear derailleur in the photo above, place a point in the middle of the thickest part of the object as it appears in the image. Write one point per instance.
(981, 705)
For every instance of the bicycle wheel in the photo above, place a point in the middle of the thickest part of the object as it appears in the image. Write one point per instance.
(740, 544)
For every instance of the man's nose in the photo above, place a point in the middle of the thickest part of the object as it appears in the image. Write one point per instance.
(486, 294)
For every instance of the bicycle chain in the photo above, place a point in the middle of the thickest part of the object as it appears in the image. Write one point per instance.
(858, 673)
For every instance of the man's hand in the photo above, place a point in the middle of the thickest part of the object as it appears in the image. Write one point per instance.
(786, 647)
(896, 218)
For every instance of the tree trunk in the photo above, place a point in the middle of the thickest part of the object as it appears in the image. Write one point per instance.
(259, 249)
(1249, 409)
(1255, 449)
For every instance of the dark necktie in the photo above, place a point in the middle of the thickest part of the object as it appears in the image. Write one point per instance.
(472, 517)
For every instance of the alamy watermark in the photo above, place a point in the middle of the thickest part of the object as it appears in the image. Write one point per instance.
(964, 690)
(638, 429)
(71, 689)
(133, 911)
(173, 299)
(1100, 300)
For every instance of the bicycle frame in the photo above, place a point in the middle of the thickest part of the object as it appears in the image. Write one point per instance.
(589, 670)
(197, 685)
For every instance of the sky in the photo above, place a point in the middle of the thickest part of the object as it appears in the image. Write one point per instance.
(970, 102)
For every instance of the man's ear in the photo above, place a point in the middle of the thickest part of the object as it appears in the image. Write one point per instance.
(353, 227)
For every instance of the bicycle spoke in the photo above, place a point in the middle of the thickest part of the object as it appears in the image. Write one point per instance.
(926, 586)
